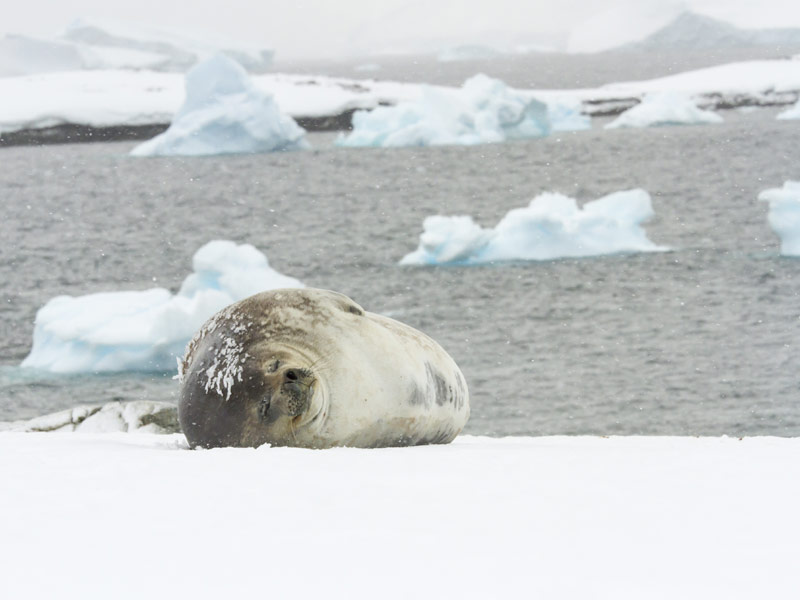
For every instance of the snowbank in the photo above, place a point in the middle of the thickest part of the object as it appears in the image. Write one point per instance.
(482, 110)
(140, 416)
(784, 215)
(551, 226)
(791, 113)
(134, 516)
(666, 108)
(147, 330)
(224, 113)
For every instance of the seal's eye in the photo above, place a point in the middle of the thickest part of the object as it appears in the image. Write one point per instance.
(273, 366)
(291, 375)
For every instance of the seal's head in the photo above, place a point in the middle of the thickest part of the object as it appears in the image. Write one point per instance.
(251, 376)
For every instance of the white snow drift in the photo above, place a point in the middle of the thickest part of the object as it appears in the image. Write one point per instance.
(482, 110)
(224, 113)
(784, 215)
(147, 330)
(140, 516)
(551, 226)
(666, 108)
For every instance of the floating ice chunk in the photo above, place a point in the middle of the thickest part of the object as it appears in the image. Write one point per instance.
(551, 226)
(565, 115)
(784, 215)
(664, 108)
(224, 113)
(791, 113)
(147, 330)
(482, 110)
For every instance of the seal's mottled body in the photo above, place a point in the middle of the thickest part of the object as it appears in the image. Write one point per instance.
(311, 368)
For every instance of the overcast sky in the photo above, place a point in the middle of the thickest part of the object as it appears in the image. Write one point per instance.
(332, 28)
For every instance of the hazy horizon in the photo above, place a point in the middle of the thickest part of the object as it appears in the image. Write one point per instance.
(317, 29)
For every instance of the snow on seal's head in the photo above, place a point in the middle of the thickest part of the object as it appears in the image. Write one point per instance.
(311, 368)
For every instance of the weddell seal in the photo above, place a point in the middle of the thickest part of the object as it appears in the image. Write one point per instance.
(311, 368)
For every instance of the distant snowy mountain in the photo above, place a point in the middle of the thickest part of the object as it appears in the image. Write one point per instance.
(181, 49)
(692, 31)
(89, 44)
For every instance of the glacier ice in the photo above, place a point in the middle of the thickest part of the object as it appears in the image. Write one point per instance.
(482, 110)
(790, 113)
(551, 226)
(224, 113)
(146, 330)
(784, 215)
(664, 108)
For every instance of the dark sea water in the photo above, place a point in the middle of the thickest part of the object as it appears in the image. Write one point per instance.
(701, 340)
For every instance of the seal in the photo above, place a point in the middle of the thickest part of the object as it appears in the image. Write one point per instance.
(311, 368)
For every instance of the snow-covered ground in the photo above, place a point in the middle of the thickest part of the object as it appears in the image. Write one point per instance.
(138, 515)
(106, 98)
(784, 215)
(664, 108)
(224, 113)
(551, 226)
(483, 110)
(147, 330)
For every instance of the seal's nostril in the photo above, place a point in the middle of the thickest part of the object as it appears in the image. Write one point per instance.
(291, 375)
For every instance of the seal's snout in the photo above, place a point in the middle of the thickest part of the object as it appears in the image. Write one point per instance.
(297, 388)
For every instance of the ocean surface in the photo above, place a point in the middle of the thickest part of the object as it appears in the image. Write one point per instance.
(702, 340)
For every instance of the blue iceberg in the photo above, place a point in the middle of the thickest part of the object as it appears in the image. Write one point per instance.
(551, 226)
(224, 113)
(483, 110)
(147, 330)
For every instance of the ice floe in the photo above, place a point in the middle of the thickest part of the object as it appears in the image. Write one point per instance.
(784, 215)
(147, 330)
(551, 226)
(224, 113)
(665, 108)
(482, 110)
(790, 113)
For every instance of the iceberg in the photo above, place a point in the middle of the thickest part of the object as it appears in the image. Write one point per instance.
(565, 115)
(791, 113)
(664, 108)
(483, 110)
(147, 330)
(784, 215)
(224, 113)
(551, 226)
